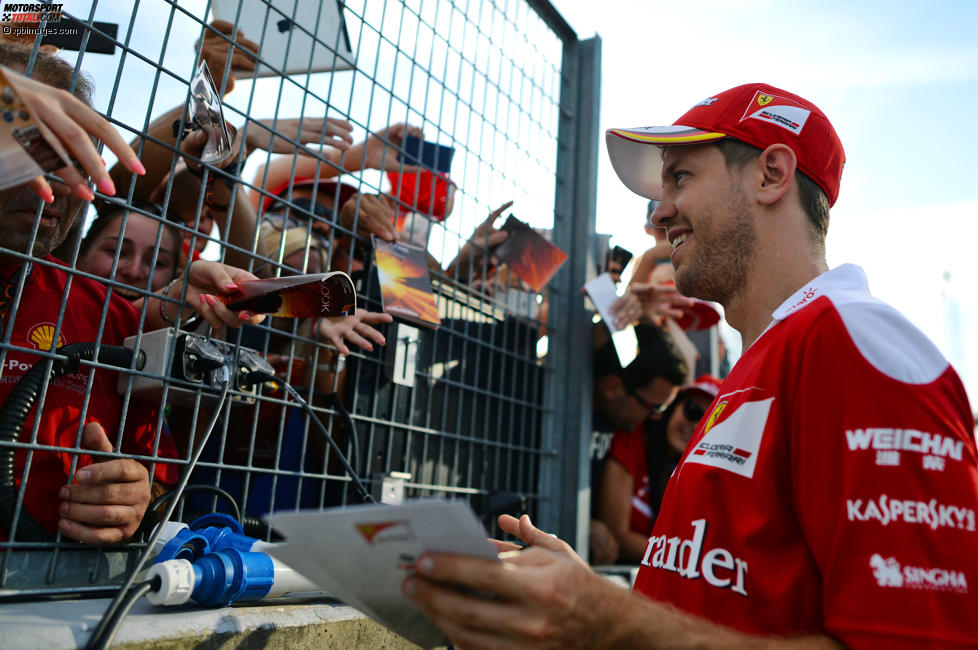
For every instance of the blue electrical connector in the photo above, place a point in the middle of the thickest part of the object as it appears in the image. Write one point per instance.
(216, 565)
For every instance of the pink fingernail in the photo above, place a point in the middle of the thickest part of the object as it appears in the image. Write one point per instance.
(48, 195)
(106, 186)
(137, 167)
(209, 299)
(243, 315)
(84, 192)
(230, 286)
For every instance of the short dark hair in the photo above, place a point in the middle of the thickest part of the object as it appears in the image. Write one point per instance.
(813, 198)
(49, 69)
(658, 356)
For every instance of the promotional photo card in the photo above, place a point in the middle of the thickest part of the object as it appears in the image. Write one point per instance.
(296, 296)
(529, 254)
(405, 286)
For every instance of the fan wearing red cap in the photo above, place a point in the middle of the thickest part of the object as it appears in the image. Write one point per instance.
(830, 493)
(640, 463)
(304, 182)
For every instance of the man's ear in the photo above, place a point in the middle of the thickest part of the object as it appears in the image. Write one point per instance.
(777, 165)
(612, 387)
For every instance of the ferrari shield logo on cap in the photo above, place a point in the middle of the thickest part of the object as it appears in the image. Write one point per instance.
(777, 110)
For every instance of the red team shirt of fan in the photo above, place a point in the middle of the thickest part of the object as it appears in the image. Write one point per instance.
(34, 330)
(832, 486)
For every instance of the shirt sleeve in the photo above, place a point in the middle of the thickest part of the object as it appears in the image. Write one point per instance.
(627, 447)
(885, 486)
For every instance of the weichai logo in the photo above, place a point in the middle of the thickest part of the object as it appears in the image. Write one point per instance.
(31, 12)
(889, 444)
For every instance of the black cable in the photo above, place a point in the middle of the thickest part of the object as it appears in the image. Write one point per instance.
(96, 641)
(134, 595)
(333, 401)
(166, 496)
(258, 377)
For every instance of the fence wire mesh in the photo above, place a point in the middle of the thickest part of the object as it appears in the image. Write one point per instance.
(321, 97)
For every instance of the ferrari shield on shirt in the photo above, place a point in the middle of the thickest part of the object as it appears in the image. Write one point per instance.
(832, 486)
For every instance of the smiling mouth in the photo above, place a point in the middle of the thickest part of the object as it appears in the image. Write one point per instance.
(127, 293)
(679, 240)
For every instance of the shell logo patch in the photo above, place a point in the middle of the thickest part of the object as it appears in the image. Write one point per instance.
(42, 336)
(714, 416)
(764, 99)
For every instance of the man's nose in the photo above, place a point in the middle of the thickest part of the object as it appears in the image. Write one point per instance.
(663, 213)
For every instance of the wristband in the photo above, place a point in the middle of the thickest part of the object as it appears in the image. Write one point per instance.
(190, 322)
(210, 200)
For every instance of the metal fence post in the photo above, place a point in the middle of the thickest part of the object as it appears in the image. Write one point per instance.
(565, 475)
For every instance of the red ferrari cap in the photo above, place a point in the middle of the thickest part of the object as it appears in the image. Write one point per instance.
(706, 384)
(757, 114)
(326, 188)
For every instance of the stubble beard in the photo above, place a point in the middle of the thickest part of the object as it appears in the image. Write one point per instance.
(724, 254)
(48, 237)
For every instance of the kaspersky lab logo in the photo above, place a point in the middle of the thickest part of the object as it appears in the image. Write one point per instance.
(31, 12)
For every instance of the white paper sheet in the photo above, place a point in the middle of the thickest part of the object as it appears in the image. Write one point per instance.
(361, 554)
(603, 294)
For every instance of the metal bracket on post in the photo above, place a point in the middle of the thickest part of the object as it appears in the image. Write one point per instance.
(403, 355)
(389, 488)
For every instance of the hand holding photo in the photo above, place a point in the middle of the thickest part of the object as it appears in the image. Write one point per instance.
(529, 254)
(27, 147)
(296, 296)
(603, 294)
(405, 286)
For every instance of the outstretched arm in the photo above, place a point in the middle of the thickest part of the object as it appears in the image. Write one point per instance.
(208, 281)
(356, 329)
(547, 597)
(72, 122)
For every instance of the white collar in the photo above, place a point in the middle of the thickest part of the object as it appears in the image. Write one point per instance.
(847, 277)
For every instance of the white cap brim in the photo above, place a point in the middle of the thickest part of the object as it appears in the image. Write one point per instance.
(636, 158)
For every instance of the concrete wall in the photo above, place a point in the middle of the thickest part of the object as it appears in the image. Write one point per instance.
(286, 624)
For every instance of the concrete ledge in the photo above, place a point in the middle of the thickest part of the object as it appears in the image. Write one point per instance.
(281, 624)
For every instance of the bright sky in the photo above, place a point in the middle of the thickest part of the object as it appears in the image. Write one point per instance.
(899, 83)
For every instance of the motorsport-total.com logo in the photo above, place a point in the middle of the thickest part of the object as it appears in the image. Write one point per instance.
(31, 12)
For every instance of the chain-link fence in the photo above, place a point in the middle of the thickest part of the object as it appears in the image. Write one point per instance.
(323, 100)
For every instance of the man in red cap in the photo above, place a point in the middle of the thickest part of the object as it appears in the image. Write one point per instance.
(830, 494)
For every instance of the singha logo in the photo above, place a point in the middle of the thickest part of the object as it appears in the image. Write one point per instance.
(886, 572)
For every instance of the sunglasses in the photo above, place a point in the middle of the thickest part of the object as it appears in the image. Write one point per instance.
(281, 222)
(692, 411)
(653, 409)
